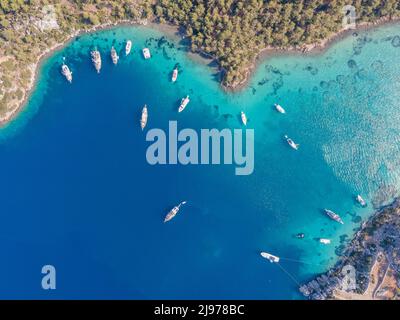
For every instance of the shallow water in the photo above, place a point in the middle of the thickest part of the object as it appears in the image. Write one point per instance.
(78, 193)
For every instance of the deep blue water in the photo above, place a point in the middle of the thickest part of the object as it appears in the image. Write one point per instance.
(77, 192)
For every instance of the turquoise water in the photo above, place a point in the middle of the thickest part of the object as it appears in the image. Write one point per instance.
(77, 192)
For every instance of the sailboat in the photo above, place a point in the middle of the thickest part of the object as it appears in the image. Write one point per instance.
(96, 59)
(174, 75)
(291, 143)
(333, 216)
(184, 103)
(361, 201)
(128, 47)
(114, 56)
(143, 119)
(173, 212)
(243, 117)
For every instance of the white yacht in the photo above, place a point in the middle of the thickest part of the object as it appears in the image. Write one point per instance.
(173, 212)
(174, 75)
(361, 201)
(184, 103)
(143, 119)
(146, 53)
(270, 257)
(114, 56)
(66, 72)
(291, 143)
(128, 47)
(243, 117)
(279, 108)
(96, 59)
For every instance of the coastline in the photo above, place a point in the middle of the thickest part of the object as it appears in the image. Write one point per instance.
(309, 50)
(35, 67)
(199, 56)
(373, 254)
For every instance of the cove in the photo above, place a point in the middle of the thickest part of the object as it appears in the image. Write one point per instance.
(78, 194)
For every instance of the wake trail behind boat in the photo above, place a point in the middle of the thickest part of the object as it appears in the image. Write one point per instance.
(289, 274)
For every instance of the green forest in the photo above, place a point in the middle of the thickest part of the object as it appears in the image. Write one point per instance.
(232, 32)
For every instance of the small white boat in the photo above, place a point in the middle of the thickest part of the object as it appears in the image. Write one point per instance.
(114, 56)
(291, 143)
(146, 53)
(324, 241)
(184, 103)
(143, 119)
(174, 75)
(66, 72)
(173, 212)
(270, 257)
(361, 201)
(128, 47)
(243, 117)
(279, 108)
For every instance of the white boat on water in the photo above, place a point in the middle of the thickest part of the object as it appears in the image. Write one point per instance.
(96, 59)
(114, 56)
(143, 119)
(146, 53)
(279, 108)
(174, 75)
(66, 72)
(333, 216)
(291, 143)
(324, 241)
(270, 257)
(128, 47)
(184, 103)
(361, 201)
(243, 117)
(173, 212)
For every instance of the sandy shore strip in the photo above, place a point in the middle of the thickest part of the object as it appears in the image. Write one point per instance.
(177, 34)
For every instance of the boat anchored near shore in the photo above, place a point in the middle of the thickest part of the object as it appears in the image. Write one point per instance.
(114, 56)
(334, 216)
(173, 212)
(96, 59)
(128, 47)
(66, 72)
(361, 201)
(243, 117)
(184, 103)
(174, 75)
(324, 241)
(270, 257)
(279, 108)
(146, 53)
(143, 119)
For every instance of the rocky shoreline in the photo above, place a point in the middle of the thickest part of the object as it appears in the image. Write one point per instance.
(375, 246)
(314, 48)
